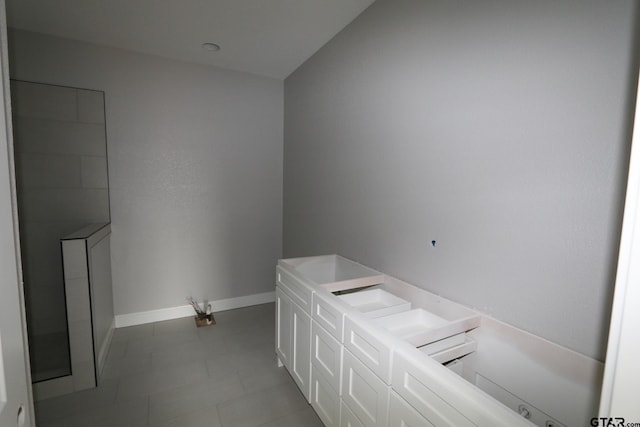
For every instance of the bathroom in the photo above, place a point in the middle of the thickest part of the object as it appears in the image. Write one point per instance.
(215, 174)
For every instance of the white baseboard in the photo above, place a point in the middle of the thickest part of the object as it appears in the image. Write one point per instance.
(140, 318)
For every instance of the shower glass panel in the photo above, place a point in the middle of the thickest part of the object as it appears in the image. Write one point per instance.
(62, 183)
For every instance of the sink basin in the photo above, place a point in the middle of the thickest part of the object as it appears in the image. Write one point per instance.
(420, 327)
(376, 302)
(333, 272)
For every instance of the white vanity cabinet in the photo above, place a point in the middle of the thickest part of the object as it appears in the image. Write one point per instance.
(283, 327)
(326, 356)
(367, 349)
(293, 329)
(293, 340)
(364, 392)
(325, 400)
(402, 414)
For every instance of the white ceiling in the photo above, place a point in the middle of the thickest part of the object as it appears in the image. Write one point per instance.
(266, 37)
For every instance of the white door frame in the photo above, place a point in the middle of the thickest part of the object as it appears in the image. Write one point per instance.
(619, 396)
(16, 398)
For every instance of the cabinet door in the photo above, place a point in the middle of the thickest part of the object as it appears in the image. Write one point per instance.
(401, 414)
(363, 392)
(421, 386)
(328, 314)
(297, 291)
(347, 418)
(369, 346)
(324, 400)
(301, 349)
(283, 327)
(326, 355)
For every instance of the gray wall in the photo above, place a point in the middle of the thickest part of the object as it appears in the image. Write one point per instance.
(499, 129)
(195, 169)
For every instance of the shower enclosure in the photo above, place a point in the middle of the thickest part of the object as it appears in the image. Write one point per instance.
(62, 184)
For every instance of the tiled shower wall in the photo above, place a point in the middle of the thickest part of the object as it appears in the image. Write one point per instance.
(61, 169)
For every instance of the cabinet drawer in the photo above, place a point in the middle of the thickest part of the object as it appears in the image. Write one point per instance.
(348, 418)
(298, 291)
(328, 315)
(443, 397)
(324, 400)
(364, 393)
(367, 345)
(414, 384)
(326, 355)
(401, 414)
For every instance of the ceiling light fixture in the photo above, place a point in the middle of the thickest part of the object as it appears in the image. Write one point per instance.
(211, 47)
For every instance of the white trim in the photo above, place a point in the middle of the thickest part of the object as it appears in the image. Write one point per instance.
(104, 349)
(140, 318)
(621, 374)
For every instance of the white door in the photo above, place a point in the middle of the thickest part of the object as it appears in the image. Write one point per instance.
(622, 373)
(16, 406)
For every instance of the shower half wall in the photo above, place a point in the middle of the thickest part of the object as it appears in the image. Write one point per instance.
(62, 182)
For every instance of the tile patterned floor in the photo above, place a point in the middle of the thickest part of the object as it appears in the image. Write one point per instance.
(172, 374)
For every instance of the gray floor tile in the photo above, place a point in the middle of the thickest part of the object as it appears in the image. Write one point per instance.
(133, 332)
(128, 365)
(184, 400)
(156, 381)
(173, 374)
(192, 352)
(207, 417)
(261, 407)
(307, 418)
(263, 377)
(132, 413)
(164, 341)
(83, 401)
(173, 326)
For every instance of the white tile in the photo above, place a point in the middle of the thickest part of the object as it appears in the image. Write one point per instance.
(94, 172)
(53, 137)
(90, 106)
(89, 139)
(35, 170)
(44, 101)
(83, 376)
(78, 302)
(74, 259)
(47, 324)
(57, 204)
(80, 342)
